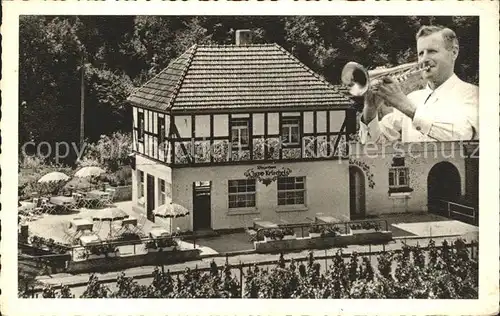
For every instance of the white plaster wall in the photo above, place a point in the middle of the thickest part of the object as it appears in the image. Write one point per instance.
(327, 192)
(419, 158)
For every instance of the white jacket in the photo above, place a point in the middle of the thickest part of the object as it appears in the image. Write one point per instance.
(449, 113)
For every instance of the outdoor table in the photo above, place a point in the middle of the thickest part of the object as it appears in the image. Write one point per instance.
(26, 206)
(129, 221)
(81, 224)
(327, 219)
(89, 239)
(97, 194)
(89, 202)
(264, 224)
(158, 233)
(62, 201)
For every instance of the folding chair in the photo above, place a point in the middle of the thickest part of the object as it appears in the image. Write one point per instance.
(97, 227)
(111, 192)
(46, 206)
(88, 202)
(106, 199)
(77, 201)
(69, 237)
(140, 224)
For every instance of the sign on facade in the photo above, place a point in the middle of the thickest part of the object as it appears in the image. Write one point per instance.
(267, 174)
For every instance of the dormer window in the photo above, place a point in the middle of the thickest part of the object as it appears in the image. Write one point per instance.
(240, 133)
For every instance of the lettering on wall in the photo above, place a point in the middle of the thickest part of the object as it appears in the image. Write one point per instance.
(267, 174)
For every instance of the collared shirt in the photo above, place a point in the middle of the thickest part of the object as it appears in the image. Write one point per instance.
(449, 113)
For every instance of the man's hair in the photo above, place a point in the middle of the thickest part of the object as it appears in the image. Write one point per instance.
(449, 36)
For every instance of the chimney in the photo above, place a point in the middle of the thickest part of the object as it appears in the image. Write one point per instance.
(243, 37)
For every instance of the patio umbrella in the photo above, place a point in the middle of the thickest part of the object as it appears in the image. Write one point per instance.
(53, 177)
(90, 171)
(170, 210)
(110, 214)
(52, 182)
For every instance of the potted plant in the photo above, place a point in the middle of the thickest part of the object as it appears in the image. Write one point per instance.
(279, 234)
(151, 245)
(273, 234)
(288, 233)
(94, 252)
(109, 250)
(166, 244)
(163, 244)
(364, 227)
(330, 231)
(315, 231)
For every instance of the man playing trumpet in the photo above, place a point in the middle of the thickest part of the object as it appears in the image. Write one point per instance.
(446, 110)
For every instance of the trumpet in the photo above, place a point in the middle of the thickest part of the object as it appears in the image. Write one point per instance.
(359, 79)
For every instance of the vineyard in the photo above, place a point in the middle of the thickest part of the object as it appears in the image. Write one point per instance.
(438, 272)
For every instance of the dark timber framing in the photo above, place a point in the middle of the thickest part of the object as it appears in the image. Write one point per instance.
(149, 136)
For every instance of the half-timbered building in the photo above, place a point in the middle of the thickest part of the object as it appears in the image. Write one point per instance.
(239, 132)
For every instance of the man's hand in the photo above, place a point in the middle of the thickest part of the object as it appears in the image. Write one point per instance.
(372, 103)
(390, 91)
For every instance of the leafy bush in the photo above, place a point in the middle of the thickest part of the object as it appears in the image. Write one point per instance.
(161, 243)
(316, 229)
(48, 244)
(103, 249)
(366, 225)
(278, 233)
(31, 169)
(447, 273)
(330, 231)
(110, 152)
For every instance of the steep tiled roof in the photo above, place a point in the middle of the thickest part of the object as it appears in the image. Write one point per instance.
(236, 77)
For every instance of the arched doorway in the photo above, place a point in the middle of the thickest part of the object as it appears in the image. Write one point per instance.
(443, 183)
(357, 192)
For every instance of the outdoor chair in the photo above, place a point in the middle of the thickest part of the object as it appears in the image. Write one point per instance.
(106, 200)
(69, 236)
(111, 192)
(77, 198)
(140, 224)
(88, 202)
(97, 226)
(47, 206)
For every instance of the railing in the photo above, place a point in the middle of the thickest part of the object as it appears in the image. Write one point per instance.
(344, 226)
(473, 255)
(455, 210)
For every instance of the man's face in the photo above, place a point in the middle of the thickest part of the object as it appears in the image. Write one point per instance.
(432, 51)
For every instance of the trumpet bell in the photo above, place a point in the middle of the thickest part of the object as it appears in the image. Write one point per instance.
(355, 77)
(359, 79)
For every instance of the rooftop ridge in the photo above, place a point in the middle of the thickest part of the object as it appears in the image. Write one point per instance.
(234, 45)
(205, 76)
(180, 81)
(309, 69)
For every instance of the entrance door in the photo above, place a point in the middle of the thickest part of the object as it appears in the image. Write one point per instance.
(356, 192)
(443, 184)
(202, 217)
(150, 197)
